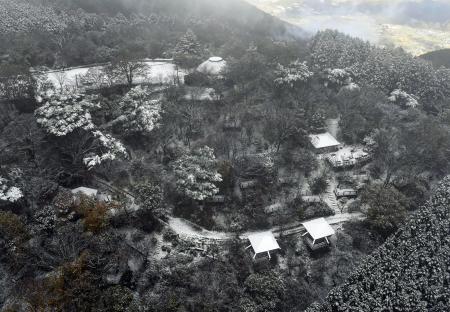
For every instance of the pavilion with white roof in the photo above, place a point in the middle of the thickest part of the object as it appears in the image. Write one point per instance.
(263, 242)
(317, 233)
(324, 142)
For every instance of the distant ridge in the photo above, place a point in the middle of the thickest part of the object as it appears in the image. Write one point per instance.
(438, 58)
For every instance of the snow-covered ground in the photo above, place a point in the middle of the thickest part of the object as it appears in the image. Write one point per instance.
(186, 228)
(199, 94)
(158, 72)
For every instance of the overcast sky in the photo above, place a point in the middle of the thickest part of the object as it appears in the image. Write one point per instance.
(418, 25)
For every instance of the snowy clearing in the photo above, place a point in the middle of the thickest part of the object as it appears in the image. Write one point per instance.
(158, 72)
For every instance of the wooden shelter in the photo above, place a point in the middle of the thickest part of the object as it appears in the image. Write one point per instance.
(324, 142)
(262, 242)
(317, 233)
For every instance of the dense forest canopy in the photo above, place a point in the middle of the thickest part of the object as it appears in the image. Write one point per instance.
(409, 272)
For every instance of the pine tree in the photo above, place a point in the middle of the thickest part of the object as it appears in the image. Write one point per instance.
(188, 51)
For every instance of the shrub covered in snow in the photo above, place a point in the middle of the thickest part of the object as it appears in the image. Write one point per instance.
(337, 76)
(8, 192)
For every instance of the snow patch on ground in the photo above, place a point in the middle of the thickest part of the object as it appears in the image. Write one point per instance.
(186, 228)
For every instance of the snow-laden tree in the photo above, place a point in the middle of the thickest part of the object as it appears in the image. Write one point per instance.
(140, 113)
(293, 74)
(332, 49)
(188, 44)
(337, 77)
(110, 149)
(69, 114)
(9, 192)
(188, 51)
(64, 113)
(403, 99)
(197, 174)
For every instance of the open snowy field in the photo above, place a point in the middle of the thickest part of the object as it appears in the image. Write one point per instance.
(157, 72)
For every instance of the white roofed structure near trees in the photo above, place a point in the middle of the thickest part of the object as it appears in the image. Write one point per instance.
(323, 140)
(263, 242)
(319, 230)
(213, 66)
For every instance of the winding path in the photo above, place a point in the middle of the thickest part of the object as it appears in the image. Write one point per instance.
(187, 229)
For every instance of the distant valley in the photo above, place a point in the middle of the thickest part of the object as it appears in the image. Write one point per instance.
(417, 26)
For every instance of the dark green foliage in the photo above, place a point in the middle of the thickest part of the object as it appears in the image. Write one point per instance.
(386, 207)
(410, 272)
(305, 211)
(264, 293)
(318, 184)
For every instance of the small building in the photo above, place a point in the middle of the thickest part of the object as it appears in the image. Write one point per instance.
(216, 199)
(317, 233)
(345, 192)
(248, 184)
(213, 66)
(324, 142)
(90, 192)
(262, 242)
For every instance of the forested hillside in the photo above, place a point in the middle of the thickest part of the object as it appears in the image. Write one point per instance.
(66, 33)
(409, 272)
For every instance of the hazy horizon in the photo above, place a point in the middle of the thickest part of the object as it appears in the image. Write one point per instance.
(419, 26)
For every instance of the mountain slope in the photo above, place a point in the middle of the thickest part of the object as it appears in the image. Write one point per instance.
(83, 31)
(410, 272)
(438, 58)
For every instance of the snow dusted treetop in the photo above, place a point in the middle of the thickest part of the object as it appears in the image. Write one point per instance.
(64, 113)
(9, 193)
(337, 76)
(403, 99)
(139, 112)
(110, 145)
(196, 174)
(293, 74)
(188, 44)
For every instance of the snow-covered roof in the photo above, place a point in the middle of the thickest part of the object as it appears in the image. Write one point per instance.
(213, 66)
(85, 190)
(263, 242)
(323, 140)
(318, 228)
